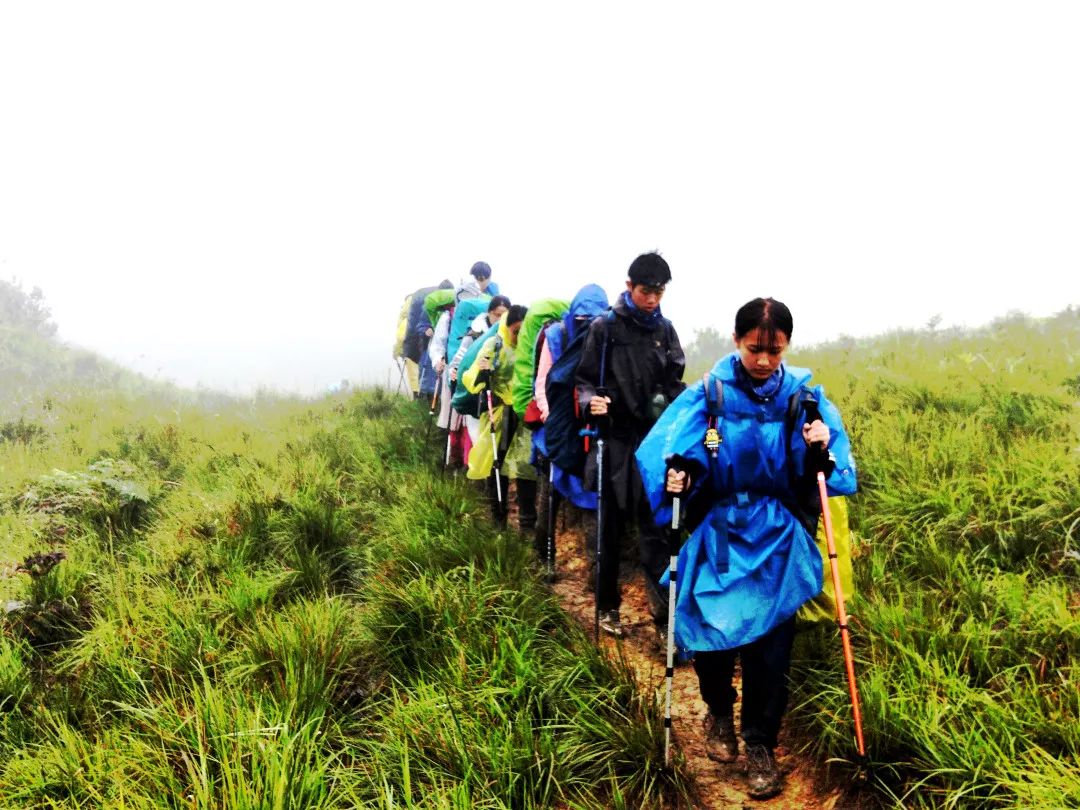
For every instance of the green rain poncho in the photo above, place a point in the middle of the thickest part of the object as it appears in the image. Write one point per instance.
(540, 313)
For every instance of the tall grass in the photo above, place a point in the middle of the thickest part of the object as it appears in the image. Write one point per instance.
(280, 606)
(968, 609)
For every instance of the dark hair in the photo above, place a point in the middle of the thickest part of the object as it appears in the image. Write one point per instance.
(481, 270)
(515, 313)
(498, 301)
(649, 269)
(766, 314)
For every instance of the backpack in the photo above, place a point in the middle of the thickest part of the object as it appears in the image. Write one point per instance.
(536, 319)
(532, 417)
(464, 401)
(414, 344)
(562, 430)
(464, 314)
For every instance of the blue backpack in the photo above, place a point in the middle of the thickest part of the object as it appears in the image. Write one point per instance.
(562, 430)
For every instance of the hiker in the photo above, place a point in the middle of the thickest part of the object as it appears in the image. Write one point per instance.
(445, 303)
(410, 372)
(417, 334)
(738, 451)
(481, 273)
(491, 372)
(518, 463)
(469, 423)
(557, 484)
(630, 369)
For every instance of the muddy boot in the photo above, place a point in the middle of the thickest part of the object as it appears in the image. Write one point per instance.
(763, 777)
(720, 742)
(610, 623)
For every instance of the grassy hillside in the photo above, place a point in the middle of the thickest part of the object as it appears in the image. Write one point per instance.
(281, 608)
(276, 604)
(968, 612)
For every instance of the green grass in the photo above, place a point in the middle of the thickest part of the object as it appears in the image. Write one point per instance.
(281, 606)
(276, 604)
(967, 629)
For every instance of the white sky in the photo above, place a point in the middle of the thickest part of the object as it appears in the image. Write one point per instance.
(242, 193)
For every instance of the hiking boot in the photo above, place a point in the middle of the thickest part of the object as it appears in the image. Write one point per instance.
(610, 624)
(763, 777)
(720, 742)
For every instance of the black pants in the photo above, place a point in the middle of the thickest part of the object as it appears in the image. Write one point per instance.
(765, 665)
(548, 502)
(525, 490)
(498, 497)
(652, 546)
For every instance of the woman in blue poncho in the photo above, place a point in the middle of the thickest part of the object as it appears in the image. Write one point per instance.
(738, 449)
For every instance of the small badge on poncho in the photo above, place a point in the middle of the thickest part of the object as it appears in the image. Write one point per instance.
(712, 440)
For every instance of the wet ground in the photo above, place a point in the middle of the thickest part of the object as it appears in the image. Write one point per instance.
(808, 785)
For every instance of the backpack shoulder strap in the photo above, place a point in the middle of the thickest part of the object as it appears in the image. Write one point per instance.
(714, 407)
(609, 319)
(801, 401)
(714, 394)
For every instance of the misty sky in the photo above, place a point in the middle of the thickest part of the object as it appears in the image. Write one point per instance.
(242, 193)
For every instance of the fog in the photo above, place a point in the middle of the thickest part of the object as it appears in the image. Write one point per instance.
(240, 195)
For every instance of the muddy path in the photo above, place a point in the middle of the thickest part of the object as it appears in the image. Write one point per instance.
(807, 782)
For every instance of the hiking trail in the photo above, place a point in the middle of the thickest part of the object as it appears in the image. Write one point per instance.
(808, 785)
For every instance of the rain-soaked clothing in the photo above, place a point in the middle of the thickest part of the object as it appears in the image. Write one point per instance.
(499, 351)
(641, 371)
(590, 302)
(749, 562)
(540, 314)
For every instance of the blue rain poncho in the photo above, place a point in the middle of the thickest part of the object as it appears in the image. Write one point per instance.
(750, 563)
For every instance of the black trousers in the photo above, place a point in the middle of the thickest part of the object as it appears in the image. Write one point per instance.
(652, 545)
(498, 497)
(765, 666)
(547, 503)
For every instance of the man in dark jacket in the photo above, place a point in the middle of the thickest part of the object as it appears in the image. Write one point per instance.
(630, 369)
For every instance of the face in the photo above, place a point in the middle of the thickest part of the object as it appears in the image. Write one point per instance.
(645, 297)
(482, 283)
(759, 358)
(513, 331)
(495, 314)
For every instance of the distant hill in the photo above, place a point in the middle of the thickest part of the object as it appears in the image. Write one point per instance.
(35, 363)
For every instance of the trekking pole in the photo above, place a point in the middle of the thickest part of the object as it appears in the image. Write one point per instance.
(435, 395)
(494, 450)
(401, 376)
(595, 431)
(431, 412)
(841, 613)
(669, 672)
(813, 414)
(599, 528)
(551, 522)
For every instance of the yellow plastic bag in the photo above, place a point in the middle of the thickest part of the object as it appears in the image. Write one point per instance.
(822, 608)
